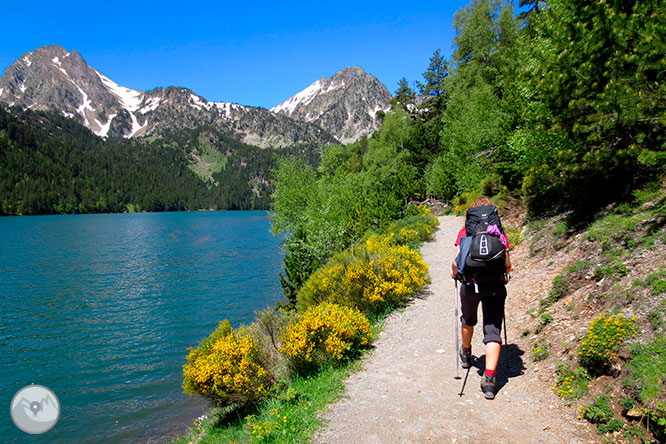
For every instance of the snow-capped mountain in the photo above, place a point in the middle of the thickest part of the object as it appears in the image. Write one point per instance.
(345, 105)
(52, 78)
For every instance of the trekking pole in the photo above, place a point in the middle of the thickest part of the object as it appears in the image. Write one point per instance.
(506, 345)
(462, 389)
(457, 336)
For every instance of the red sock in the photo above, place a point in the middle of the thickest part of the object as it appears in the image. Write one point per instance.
(467, 348)
(490, 373)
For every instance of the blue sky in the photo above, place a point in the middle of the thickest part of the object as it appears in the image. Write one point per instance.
(250, 52)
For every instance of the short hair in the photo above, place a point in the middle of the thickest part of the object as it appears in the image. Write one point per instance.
(480, 202)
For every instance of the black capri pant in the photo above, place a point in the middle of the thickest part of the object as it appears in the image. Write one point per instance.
(491, 295)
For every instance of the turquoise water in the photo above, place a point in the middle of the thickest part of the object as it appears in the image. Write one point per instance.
(102, 308)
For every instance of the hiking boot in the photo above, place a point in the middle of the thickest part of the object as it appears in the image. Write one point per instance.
(465, 357)
(488, 386)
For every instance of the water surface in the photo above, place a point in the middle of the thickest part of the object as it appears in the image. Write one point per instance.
(102, 308)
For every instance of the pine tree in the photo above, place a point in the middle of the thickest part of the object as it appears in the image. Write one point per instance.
(404, 96)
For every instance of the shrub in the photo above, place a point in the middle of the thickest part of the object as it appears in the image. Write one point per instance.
(603, 339)
(325, 333)
(578, 267)
(546, 318)
(373, 277)
(600, 412)
(657, 282)
(227, 369)
(616, 268)
(571, 384)
(514, 235)
(540, 351)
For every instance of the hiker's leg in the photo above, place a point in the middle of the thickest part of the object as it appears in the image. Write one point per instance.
(492, 354)
(467, 333)
(469, 303)
(493, 313)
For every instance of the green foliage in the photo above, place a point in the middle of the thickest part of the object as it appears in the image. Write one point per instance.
(559, 289)
(540, 350)
(648, 371)
(615, 268)
(546, 318)
(598, 79)
(356, 188)
(51, 164)
(571, 384)
(404, 96)
(627, 403)
(600, 412)
(612, 229)
(657, 281)
(613, 425)
(579, 267)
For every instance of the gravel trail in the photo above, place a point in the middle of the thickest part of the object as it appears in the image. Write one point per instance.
(406, 391)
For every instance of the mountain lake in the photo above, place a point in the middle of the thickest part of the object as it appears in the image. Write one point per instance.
(101, 309)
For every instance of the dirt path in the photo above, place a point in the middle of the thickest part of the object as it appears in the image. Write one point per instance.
(406, 392)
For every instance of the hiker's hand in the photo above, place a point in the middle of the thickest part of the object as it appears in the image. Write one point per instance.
(454, 270)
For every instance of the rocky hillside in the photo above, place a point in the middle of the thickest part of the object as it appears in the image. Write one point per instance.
(54, 79)
(570, 275)
(345, 105)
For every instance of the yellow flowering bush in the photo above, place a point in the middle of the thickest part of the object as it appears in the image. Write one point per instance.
(571, 384)
(226, 368)
(324, 333)
(604, 337)
(374, 276)
(417, 227)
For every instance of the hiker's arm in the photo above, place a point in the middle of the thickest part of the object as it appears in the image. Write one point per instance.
(454, 266)
(507, 261)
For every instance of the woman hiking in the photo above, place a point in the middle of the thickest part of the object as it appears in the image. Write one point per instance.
(485, 286)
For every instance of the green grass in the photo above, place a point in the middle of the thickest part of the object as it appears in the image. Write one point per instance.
(559, 289)
(288, 416)
(579, 267)
(648, 371)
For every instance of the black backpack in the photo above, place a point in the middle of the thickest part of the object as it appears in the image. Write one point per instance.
(482, 255)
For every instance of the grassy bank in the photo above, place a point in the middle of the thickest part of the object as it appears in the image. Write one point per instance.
(289, 415)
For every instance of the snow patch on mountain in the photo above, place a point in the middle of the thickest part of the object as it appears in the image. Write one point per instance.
(130, 99)
(136, 126)
(104, 128)
(151, 105)
(197, 103)
(373, 113)
(303, 97)
(56, 60)
(27, 61)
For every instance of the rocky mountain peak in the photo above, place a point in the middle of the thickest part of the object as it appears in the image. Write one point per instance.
(52, 78)
(345, 105)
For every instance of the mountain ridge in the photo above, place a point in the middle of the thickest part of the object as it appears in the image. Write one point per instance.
(52, 78)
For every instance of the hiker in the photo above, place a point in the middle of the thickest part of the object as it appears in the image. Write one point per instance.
(488, 289)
